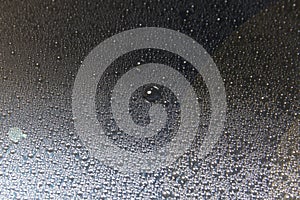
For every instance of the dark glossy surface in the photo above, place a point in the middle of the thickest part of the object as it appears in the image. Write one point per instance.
(255, 47)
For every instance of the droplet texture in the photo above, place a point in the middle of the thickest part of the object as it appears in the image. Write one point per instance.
(254, 46)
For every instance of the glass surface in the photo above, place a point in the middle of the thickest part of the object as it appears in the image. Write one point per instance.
(149, 99)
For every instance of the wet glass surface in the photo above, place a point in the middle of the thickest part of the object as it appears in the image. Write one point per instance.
(149, 99)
